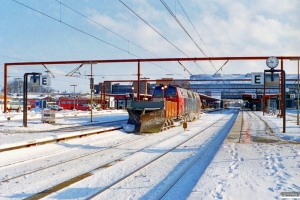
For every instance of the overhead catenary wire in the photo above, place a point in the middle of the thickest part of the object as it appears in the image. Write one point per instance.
(74, 70)
(86, 33)
(221, 67)
(185, 68)
(49, 71)
(12, 58)
(28, 68)
(79, 13)
(195, 30)
(177, 20)
(106, 28)
(157, 31)
(174, 16)
(61, 76)
(19, 66)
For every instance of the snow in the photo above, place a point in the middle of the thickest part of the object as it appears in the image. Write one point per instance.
(12, 131)
(234, 171)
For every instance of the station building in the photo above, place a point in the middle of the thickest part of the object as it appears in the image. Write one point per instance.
(229, 88)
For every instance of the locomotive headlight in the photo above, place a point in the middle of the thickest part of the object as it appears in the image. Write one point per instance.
(163, 93)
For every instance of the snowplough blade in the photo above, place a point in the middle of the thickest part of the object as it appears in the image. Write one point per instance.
(150, 117)
(151, 122)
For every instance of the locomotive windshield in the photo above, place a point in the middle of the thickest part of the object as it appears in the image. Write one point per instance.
(171, 92)
(157, 93)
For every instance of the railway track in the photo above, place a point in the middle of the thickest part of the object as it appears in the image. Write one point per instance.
(92, 127)
(79, 132)
(52, 153)
(111, 152)
(216, 126)
(292, 115)
(45, 167)
(164, 189)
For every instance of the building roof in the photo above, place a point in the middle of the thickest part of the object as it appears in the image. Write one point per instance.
(2, 97)
(208, 98)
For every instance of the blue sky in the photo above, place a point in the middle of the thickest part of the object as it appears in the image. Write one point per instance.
(106, 29)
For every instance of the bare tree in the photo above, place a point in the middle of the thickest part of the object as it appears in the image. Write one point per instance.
(16, 86)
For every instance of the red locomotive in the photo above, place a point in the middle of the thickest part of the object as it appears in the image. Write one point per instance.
(169, 103)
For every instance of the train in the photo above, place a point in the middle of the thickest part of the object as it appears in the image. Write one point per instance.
(70, 103)
(169, 104)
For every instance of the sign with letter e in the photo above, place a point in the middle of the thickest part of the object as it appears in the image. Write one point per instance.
(257, 78)
(46, 81)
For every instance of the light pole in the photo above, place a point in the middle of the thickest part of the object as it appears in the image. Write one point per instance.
(18, 79)
(298, 94)
(74, 94)
(298, 59)
(92, 89)
(91, 85)
(25, 87)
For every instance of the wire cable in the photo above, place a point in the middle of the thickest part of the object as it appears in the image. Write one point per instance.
(196, 31)
(105, 28)
(156, 31)
(86, 33)
(12, 58)
(177, 20)
(110, 31)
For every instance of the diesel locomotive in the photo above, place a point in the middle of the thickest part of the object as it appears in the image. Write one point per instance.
(169, 104)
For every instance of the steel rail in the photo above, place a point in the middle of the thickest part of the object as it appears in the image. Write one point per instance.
(76, 158)
(144, 166)
(208, 145)
(90, 128)
(52, 153)
(291, 115)
(73, 180)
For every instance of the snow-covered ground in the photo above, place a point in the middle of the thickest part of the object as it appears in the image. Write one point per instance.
(238, 171)
(12, 131)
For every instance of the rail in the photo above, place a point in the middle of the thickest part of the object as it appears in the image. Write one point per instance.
(208, 144)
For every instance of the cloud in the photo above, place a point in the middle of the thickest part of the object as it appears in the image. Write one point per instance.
(227, 27)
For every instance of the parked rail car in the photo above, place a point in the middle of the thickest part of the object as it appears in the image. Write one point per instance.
(169, 104)
(32, 103)
(70, 103)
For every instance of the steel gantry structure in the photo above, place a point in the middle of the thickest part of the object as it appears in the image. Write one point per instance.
(6, 65)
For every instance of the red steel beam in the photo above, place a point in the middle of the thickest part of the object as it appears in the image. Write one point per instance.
(5, 87)
(138, 86)
(6, 65)
(153, 60)
(167, 80)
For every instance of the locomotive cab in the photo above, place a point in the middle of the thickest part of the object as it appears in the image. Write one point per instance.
(169, 103)
(168, 93)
